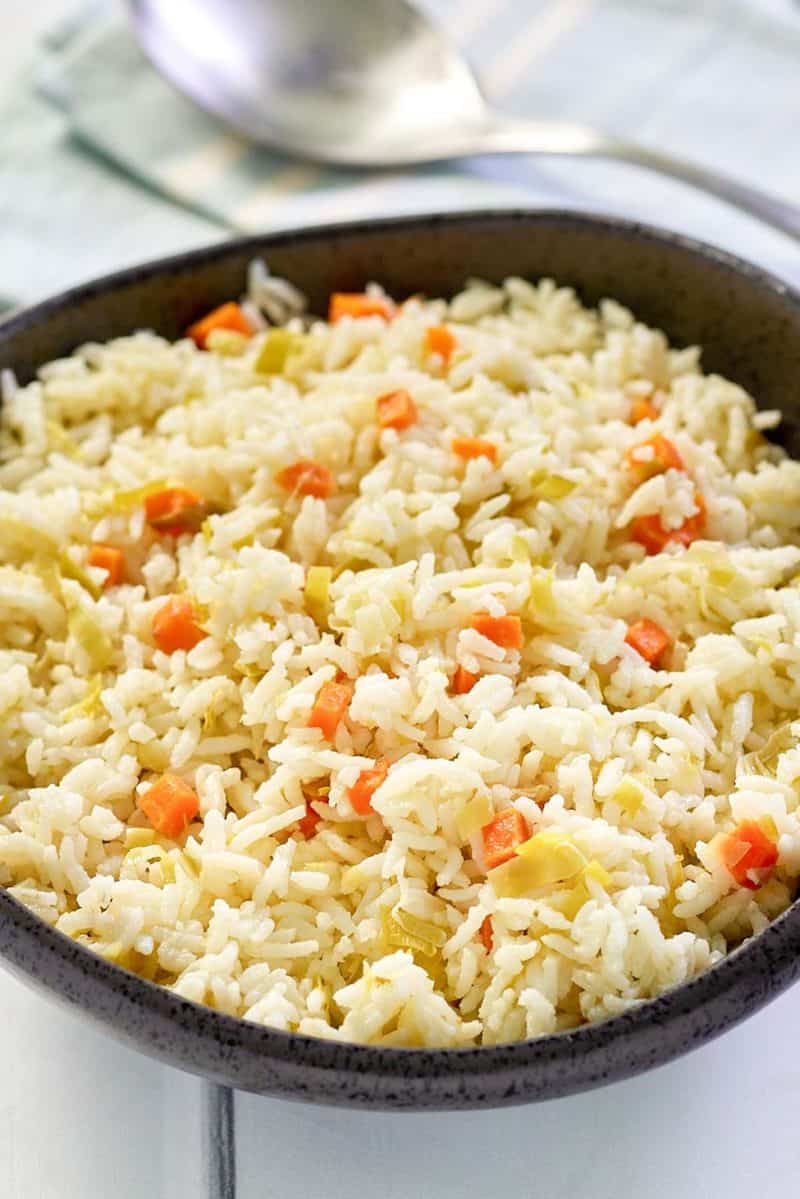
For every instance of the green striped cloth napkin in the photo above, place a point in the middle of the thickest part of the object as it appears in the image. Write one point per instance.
(129, 168)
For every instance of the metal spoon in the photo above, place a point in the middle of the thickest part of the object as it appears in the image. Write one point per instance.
(372, 84)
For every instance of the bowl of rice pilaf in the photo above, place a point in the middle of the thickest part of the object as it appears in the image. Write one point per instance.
(399, 641)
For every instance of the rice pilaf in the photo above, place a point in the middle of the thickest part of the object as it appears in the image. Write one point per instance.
(421, 677)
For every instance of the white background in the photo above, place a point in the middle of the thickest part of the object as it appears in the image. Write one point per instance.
(83, 1118)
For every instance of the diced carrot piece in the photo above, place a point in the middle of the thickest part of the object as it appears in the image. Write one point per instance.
(308, 825)
(749, 854)
(649, 640)
(227, 316)
(486, 934)
(653, 456)
(110, 559)
(170, 805)
(642, 409)
(175, 510)
(330, 706)
(463, 681)
(502, 835)
(505, 631)
(650, 532)
(175, 625)
(439, 340)
(474, 447)
(358, 304)
(365, 786)
(396, 410)
(307, 478)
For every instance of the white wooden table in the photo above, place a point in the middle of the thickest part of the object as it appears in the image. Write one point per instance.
(83, 1118)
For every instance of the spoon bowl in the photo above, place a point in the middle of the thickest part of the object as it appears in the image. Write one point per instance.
(348, 85)
(372, 85)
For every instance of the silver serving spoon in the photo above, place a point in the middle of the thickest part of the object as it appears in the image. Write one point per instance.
(372, 83)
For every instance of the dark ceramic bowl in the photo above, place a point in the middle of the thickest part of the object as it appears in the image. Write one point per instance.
(749, 327)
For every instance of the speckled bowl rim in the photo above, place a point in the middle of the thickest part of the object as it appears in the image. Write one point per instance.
(687, 1015)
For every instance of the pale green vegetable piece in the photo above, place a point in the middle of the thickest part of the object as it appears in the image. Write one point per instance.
(71, 570)
(597, 871)
(424, 930)
(275, 350)
(90, 704)
(765, 760)
(318, 581)
(520, 551)
(59, 439)
(629, 795)
(542, 861)
(91, 637)
(473, 815)
(120, 502)
(26, 538)
(541, 602)
(136, 838)
(550, 487)
(397, 937)
(227, 342)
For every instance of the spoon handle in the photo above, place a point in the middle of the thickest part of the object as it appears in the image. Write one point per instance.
(509, 136)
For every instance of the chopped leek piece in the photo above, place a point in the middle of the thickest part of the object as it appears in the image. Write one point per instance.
(570, 902)
(629, 795)
(118, 503)
(764, 760)
(598, 872)
(143, 855)
(424, 952)
(227, 342)
(550, 487)
(395, 936)
(275, 350)
(539, 793)
(353, 877)
(90, 704)
(424, 930)
(114, 952)
(677, 875)
(178, 858)
(59, 439)
(91, 637)
(136, 838)
(542, 861)
(211, 712)
(317, 592)
(541, 601)
(26, 538)
(554, 854)
(520, 551)
(153, 756)
(351, 967)
(473, 815)
(71, 570)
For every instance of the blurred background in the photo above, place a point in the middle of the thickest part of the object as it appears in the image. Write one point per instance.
(102, 164)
